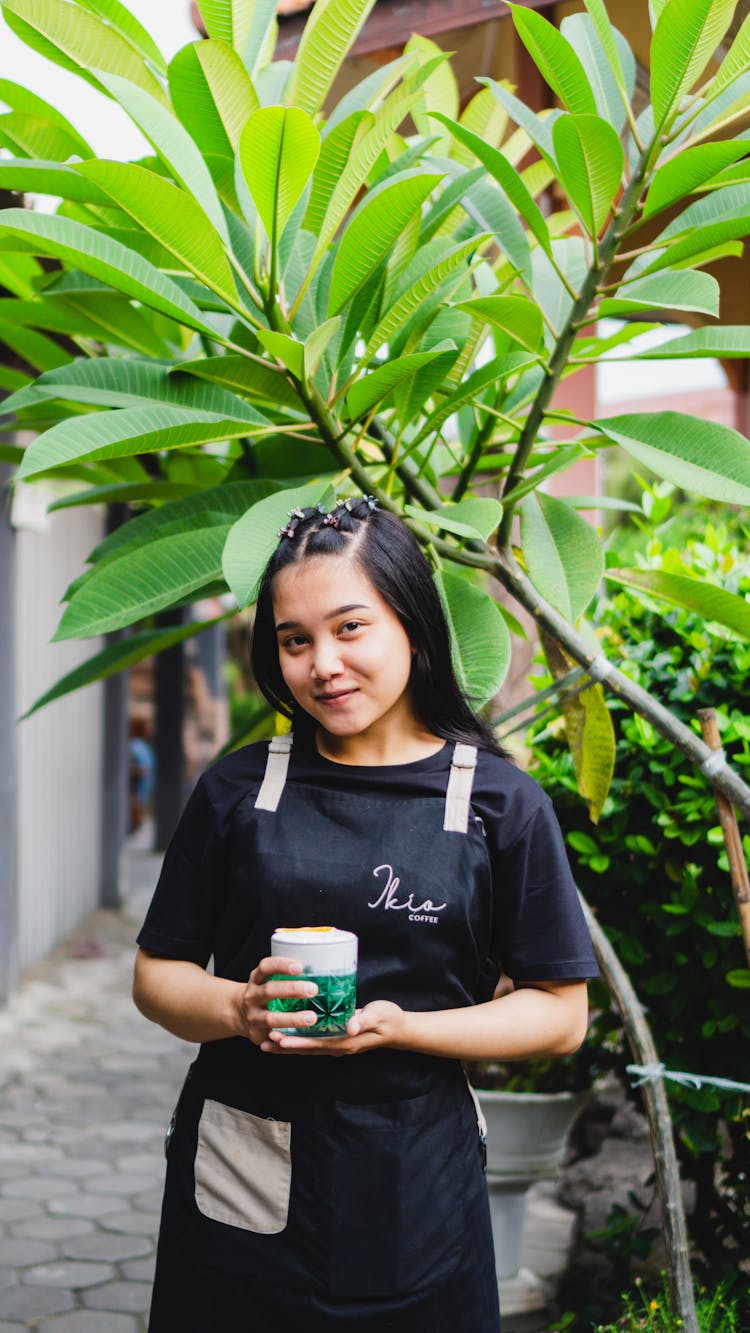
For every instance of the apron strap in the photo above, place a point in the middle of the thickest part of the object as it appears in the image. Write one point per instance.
(460, 782)
(277, 763)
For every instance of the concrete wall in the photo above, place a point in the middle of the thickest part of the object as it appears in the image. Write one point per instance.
(60, 748)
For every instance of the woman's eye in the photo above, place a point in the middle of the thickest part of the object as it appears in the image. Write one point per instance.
(350, 626)
(294, 641)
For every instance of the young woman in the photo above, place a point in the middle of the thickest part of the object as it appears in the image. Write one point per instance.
(304, 1190)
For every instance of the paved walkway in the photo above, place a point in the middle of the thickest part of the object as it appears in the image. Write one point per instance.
(87, 1087)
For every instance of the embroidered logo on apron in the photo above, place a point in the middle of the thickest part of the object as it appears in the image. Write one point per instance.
(389, 901)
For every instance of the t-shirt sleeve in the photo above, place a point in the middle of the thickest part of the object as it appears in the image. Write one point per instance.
(180, 920)
(539, 931)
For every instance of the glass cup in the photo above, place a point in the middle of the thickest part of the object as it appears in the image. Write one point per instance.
(329, 959)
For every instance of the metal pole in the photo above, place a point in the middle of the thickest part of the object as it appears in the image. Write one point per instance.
(9, 965)
(170, 711)
(114, 761)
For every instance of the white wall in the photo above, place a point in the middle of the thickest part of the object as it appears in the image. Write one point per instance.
(59, 748)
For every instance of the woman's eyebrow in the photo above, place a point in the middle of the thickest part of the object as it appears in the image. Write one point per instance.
(339, 611)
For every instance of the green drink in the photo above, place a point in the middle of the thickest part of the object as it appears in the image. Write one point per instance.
(329, 959)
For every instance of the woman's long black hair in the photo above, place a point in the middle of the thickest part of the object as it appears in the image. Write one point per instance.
(390, 557)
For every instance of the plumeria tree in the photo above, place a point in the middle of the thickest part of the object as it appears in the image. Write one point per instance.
(293, 296)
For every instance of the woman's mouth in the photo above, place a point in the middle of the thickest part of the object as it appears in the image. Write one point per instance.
(333, 697)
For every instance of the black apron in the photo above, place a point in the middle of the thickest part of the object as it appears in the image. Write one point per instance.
(321, 1193)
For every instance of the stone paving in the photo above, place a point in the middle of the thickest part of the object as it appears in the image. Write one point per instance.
(87, 1088)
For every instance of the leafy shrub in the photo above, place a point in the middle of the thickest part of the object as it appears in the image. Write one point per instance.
(655, 871)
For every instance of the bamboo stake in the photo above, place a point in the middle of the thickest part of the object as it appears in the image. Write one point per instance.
(732, 840)
(641, 1042)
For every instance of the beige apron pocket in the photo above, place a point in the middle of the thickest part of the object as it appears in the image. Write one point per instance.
(243, 1169)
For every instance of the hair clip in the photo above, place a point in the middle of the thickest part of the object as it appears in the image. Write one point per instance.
(288, 531)
(348, 505)
(296, 512)
(371, 502)
(331, 521)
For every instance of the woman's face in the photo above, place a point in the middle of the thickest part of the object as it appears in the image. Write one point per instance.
(343, 652)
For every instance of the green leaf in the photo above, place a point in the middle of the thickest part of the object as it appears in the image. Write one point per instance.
(477, 518)
(555, 59)
(373, 230)
(685, 289)
(590, 161)
(261, 39)
(117, 16)
(563, 553)
(316, 344)
(119, 656)
(36, 349)
(735, 63)
(684, 172)
(410, 300)
(480, 638)
(23, 99)
(131, 382)
(32, 176)
(230, 499)
(366, 393)
(125, 492)
(507, 177)
(329, 32)
(608, 40)
(79, 41)
(491, 211)
(700, 456)
(288, 350)
(20, 273)
(229, 20)
(342, 177)
(739, 978)
(174, 146)
(145, 580)
(103, 258)
(470, 390)
(728, 340)
(127, 431)
(515, 315)
(538, 128)
(212, 95)
(686, 35)
(253, 538)
(591, 741)
(278, 151)
(728, 205)
(705, 599)
(171, 216)
(33, 137)
(251, 379)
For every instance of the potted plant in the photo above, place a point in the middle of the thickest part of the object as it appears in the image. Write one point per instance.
(530, 1107)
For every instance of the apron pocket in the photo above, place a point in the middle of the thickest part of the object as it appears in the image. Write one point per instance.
(396, 1180)
(243, 1169)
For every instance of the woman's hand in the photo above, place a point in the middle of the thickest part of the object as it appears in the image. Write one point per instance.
(379, 1024)
(255, 1019)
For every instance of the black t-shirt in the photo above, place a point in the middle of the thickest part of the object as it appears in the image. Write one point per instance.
(538, 930)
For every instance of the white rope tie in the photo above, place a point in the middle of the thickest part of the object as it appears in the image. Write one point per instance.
(714, 763)
(600, 668)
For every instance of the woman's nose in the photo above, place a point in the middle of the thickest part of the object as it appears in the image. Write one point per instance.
(326, 661)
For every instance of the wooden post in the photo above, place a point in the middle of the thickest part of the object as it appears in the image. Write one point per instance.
(641, 1042)
(732, 840)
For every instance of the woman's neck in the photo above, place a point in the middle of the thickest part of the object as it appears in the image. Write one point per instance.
(377, 750)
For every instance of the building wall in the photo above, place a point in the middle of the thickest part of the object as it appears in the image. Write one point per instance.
(60, 748)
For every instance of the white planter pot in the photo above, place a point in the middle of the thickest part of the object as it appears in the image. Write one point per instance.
(526, 1135)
